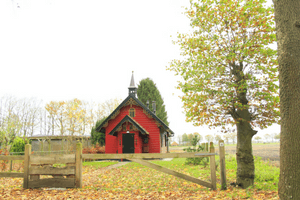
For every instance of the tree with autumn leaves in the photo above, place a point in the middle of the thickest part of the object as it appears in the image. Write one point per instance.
(76, 117)
(229, 72)
(69, 117)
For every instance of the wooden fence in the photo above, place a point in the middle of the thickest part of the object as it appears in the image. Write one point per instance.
(71, 175)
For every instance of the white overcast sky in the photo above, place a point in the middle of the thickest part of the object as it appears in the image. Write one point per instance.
(87, 49)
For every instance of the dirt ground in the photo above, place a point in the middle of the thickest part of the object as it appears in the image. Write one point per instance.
(265, 151)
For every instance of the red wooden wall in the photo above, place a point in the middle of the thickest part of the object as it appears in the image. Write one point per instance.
(112, 143)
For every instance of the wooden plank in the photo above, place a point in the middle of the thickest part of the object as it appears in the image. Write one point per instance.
(52, 159)
(34, 177)
(145, 155)
(78, 170)
(204, 154)
(12, 157)
(213, 167)
(171, 172)
(52, 182)
(49, 170)
(12, 174)
(71, 175)
(26, 165)
(222, 164)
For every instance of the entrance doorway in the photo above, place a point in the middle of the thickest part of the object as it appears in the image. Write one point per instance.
(128, 143)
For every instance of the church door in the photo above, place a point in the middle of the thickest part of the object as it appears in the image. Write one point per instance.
(128, 143)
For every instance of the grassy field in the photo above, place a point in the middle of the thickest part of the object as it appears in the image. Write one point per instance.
(267, 151)
(134, 181)
(233, 145)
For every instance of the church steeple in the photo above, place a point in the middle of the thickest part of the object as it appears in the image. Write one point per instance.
(132, 89)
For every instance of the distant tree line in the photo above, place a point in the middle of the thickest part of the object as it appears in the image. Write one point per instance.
(187, 139)
(28, 117)
(229, 138)
(273, 137)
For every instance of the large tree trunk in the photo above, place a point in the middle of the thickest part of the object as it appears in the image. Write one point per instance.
(245, 162)
(287, 18)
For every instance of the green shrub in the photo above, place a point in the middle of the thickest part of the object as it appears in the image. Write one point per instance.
(196, 161)
(18, 145)
(98, 137)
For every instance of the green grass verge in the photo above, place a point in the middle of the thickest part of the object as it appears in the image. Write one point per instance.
(266, 175)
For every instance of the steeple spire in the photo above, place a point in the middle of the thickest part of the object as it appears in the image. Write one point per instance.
(132, 81)
(132, 89)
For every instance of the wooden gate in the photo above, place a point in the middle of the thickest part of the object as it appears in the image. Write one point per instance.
(71, 175)
(140, 156)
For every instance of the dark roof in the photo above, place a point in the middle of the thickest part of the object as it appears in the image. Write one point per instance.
(132, 100)
(133, 122)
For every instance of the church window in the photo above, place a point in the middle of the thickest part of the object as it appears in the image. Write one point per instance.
(132, 112)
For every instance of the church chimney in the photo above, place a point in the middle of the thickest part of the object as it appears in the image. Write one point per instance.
(132, 89)
(147, 104)
(154, 107)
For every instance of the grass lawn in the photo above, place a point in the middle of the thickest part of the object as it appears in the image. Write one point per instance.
(134, 181)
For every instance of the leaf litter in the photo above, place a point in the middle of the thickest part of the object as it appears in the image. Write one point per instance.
(131, 181)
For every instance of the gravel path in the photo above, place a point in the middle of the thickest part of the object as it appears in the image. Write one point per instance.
(126, 162)
(116, 165)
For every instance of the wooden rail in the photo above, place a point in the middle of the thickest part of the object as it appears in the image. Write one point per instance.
(146, 155)
(12, 157)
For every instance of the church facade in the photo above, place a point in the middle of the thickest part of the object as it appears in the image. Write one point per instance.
(133, 128)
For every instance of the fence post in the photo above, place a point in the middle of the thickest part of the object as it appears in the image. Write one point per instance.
(203, 145)
(78, 166)
(222, 164)
(11, 161)
(206, 146)
(213, 167)
(26, 165)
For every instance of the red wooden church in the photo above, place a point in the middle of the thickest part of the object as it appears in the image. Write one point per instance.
(133, 128)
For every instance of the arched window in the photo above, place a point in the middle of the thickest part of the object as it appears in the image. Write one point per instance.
(132, 112)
